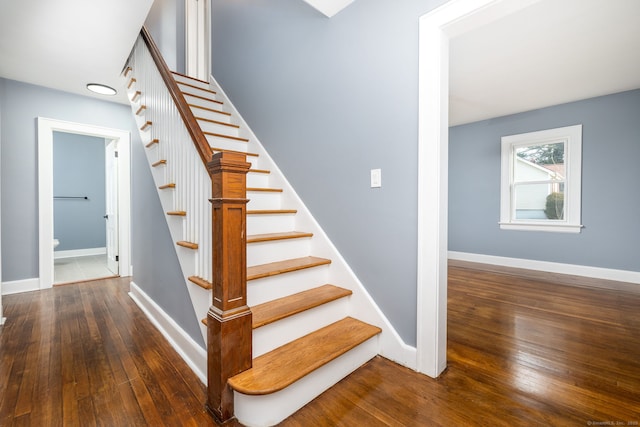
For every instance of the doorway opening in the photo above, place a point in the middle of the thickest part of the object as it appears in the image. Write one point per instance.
(436, 28)
(84, 200)
(115, 206)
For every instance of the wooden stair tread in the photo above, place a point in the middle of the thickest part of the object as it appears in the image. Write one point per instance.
(269, 237)
(286, 266)
(152, 142)
(177, 213)
(209, 109)
(188, 245)
(266, 190)
(271, 211)
(147, 125)
(215, 101)
(224, 150)
(188, 77)
(220, 135)
(285, 365)
(141, 110)
(197, 87)
(272, 311)
(202, 119)
(167, 186)
(265, 171)
(158, 163)
(205, 284)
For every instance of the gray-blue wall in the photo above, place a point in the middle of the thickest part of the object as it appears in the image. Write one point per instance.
(166, 23)
(610, 175)
(79, 171)
(155, 264)
(331, 99)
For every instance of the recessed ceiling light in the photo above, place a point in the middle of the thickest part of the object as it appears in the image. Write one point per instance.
(101, 89)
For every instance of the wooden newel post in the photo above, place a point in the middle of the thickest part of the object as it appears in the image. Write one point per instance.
(229, 318)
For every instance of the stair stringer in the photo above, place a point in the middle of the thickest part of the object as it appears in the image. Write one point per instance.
(361, 305)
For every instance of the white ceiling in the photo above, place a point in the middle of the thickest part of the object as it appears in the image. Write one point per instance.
(65, 44)
(552, 52)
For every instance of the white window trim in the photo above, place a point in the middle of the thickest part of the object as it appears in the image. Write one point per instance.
(573, 180)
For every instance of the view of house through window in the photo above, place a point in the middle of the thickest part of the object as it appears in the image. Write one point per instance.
(541, 182)
(539, 175)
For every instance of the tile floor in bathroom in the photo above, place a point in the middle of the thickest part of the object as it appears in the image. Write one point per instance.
(80, 269)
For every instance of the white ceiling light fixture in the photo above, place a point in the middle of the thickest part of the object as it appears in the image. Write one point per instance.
(101, 89)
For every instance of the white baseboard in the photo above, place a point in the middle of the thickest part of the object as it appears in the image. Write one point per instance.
(551, 267)
(18, 286)
(72, 253)
(194, 355)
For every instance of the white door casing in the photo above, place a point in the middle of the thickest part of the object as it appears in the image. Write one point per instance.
(46, 127)
(198, 38)
(111, 214)
(435, 29)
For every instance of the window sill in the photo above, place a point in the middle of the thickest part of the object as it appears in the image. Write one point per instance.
(532, 226)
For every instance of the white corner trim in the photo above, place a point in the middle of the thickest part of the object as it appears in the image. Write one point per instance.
(329, 7)
(194, 355)
(19, 286)
(551, 267)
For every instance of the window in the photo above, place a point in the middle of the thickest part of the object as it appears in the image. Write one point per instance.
(541, 180)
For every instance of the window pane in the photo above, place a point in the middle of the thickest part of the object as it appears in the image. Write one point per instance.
(539, 162)
(539, 201)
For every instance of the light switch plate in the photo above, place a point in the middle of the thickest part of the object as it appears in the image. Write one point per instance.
(376, 178)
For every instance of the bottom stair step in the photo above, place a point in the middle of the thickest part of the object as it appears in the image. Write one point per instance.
(285, 365)
(305, 368)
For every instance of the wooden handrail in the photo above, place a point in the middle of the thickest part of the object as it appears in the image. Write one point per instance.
(200, 141)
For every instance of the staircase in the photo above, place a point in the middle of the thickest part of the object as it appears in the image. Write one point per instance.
(304, 337)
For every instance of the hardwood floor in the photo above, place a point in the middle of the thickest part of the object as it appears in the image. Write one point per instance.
(522, 352)
(85, 355)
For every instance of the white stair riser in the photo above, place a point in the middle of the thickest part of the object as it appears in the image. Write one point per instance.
(200, 91)
(255, 179)
(218, 128)
(211, 115)
(226, 143)
(270, 409)
(187, 80)
(265, 252)
(260, 224)
(274, 335)
(193, 100)
(281, 285)
(260, 200)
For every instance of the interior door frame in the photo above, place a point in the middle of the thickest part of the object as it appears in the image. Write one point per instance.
(112, 219)
(198, 39)
(46, 127)
(453, 18)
